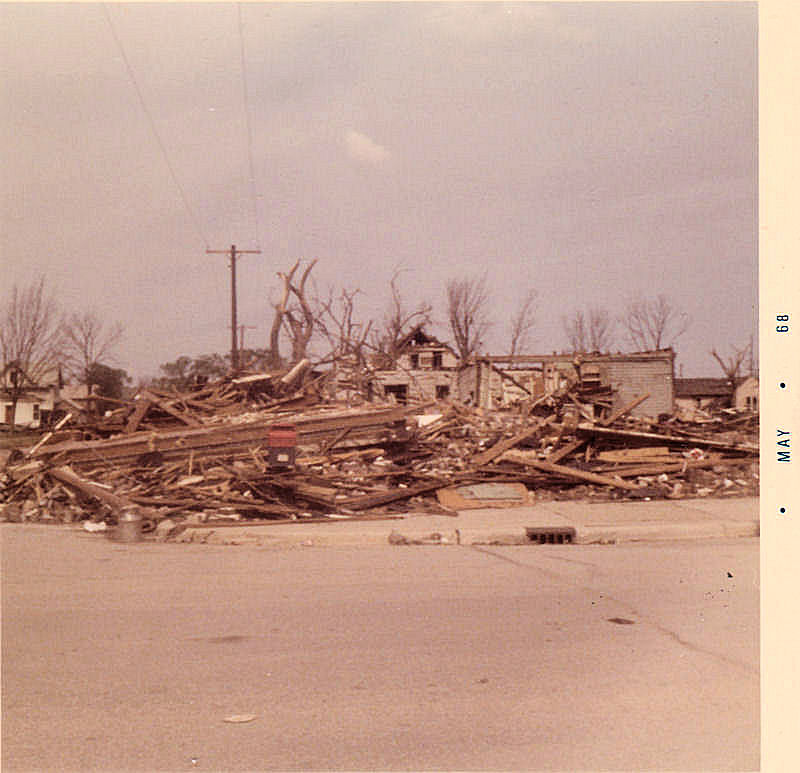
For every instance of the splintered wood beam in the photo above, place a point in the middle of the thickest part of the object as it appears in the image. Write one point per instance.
(65, 475)
(374, 500)
(589, 477)
(142, 407)
(557, 456)
(653, 437)
(505, 445)
(633, 471)
(622, 411)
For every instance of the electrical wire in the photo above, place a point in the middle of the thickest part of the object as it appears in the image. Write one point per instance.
(249, 128)
(153, 126)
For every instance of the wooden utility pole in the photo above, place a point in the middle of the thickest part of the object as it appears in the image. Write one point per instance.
(242, 328)
(233, 252)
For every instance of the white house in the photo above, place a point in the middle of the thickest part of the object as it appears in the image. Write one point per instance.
(35, 402)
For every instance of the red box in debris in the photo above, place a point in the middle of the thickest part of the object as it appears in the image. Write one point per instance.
(282, 445)
(282, 436)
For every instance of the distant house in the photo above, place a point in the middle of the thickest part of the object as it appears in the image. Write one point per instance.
(424, 370)
(36, 400)
(693, 393)
(745, 396)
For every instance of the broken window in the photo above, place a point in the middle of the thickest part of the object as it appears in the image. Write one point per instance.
(437, 360)
(398, 391)
(442, 391)
(414, 361)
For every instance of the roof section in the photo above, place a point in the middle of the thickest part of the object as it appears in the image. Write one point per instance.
(702, 387)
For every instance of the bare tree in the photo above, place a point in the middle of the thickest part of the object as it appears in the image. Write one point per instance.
(467, 301)
(590, 331)
(299, 317)
(337, 323)
(654, 323)
(30, 340)
(87, 341)
(295, 319)
(601, 329)
(522, 322)
(575, 329)
(732, 363)
(398, 321)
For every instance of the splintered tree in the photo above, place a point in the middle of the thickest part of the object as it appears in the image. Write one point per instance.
(522, 322)
(398, 321)
(467, 301)
(88, 342)
(592, 331)
(30, 341)
(654, 323)
(293, 315)
(733, 363)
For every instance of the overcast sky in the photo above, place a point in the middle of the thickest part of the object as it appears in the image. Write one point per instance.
(595, 152)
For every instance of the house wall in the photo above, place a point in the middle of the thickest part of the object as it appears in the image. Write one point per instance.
(745, 397)
(425, 358)
(30, 408)
(421, 384)
(631, 378)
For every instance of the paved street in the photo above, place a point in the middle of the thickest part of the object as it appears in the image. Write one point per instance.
(626, 657)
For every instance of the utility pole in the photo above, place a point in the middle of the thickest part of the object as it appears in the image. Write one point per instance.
(234, 253)
(242, 328)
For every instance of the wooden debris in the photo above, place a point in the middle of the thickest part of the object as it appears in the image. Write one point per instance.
(203, 455)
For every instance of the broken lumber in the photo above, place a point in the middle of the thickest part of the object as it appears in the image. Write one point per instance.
(589, 477)
(557, 456)
(622, 411)
(65, 475)
(505, 445)
(653, 437)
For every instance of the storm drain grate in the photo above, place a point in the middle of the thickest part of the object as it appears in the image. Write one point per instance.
(546, 535)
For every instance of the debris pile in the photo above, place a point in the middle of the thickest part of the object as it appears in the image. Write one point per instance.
(219, 454)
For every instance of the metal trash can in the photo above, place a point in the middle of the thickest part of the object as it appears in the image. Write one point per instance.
(129, 526)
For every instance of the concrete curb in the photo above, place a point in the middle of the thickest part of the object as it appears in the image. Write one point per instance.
(584, 535)
(654, 532)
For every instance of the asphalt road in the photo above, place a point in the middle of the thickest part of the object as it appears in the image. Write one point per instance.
(130, 657)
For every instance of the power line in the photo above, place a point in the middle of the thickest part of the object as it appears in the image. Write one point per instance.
(153, 126)
(249, 127)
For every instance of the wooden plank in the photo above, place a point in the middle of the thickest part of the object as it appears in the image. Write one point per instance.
(142, 407)
(557, 456)
(645, 454)
(658, 469)
(49, 436)
(653, 437)
(622, 411)
(374, 500)
(508, 443)
(66, 475)
(589, 477)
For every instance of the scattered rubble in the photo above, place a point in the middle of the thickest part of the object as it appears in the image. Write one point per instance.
(275, 448)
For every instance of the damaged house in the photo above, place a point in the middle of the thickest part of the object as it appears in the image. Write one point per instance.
(425, 370)
(616, 379)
